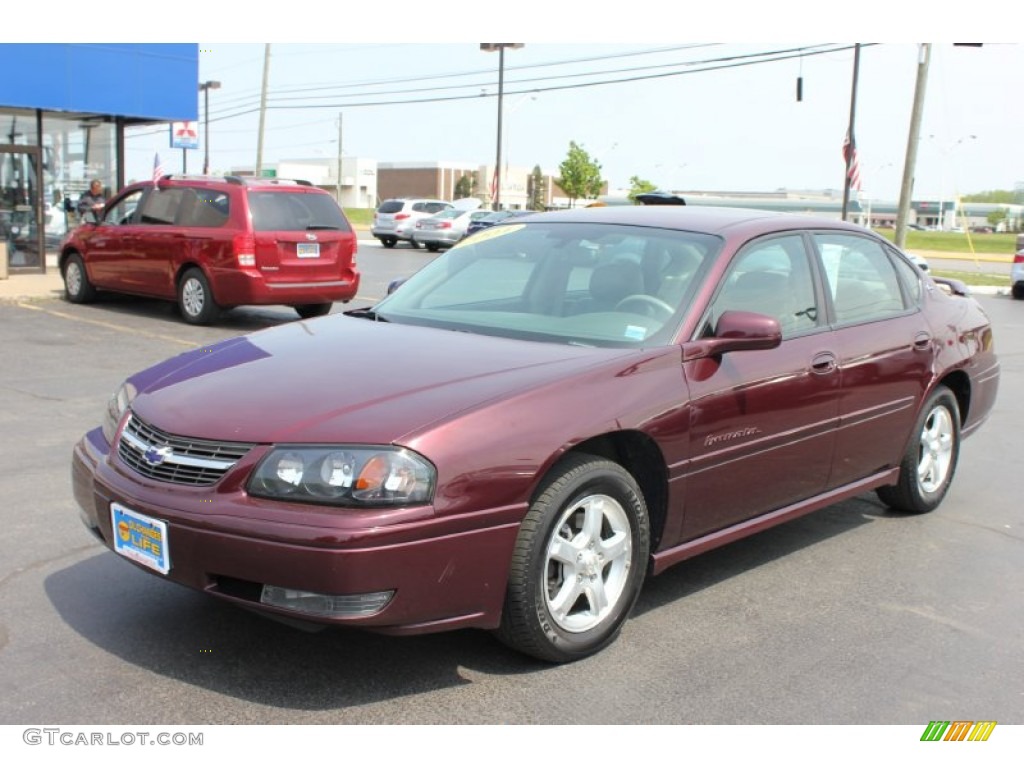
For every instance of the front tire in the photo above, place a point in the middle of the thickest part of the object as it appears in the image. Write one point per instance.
(195, 299)
(930, 461)
(77, 287)
(578, 563)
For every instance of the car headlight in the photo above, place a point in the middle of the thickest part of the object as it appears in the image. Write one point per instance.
(116, 406)
(354, 476)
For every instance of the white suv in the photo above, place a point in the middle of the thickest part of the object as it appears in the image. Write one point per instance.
(396, 219)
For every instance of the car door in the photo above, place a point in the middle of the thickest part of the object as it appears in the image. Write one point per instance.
(884, 345)
(160, 241)
(762, 424)
(108, 243)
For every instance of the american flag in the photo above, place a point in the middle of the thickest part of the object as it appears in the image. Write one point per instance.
(158, 168)
(852, 161)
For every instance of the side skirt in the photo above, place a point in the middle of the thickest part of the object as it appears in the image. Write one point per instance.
(662, 560)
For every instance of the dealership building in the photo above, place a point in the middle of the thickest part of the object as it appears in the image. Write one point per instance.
(62, 124)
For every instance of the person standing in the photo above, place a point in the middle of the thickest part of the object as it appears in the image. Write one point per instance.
(93, 200)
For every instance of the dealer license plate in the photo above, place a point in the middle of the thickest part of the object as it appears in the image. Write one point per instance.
(140, 538)
(307, 250)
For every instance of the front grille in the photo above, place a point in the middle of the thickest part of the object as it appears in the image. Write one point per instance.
(173, 459)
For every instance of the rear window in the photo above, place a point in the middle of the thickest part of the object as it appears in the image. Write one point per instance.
(295, 211)
(430, 207)
(391, 206)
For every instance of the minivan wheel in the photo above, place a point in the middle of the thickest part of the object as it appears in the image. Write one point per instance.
(307, 311)
(578, 563)
(77, 288)
(195, 299)
(930, 461)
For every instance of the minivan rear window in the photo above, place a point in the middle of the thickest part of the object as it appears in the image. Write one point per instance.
(295, 211)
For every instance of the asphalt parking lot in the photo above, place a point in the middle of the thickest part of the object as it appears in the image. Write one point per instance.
(853, 615)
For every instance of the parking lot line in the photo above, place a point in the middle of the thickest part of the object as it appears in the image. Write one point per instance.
(111, 326)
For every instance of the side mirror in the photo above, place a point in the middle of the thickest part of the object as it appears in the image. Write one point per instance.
(394, 285)
(736, 331)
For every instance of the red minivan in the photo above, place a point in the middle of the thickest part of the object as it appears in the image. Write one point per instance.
(214, 243)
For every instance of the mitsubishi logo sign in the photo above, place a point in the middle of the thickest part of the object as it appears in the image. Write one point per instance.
(185, 135)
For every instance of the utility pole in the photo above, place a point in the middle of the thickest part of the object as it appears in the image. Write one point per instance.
(907, 188)
(339, 158)
(263, 109)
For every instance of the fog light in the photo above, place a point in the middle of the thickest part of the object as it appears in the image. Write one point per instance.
(336, 606)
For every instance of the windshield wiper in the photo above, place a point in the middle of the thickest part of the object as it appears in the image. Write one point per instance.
(367, 313)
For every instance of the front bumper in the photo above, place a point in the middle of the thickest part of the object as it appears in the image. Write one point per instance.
(445, 572)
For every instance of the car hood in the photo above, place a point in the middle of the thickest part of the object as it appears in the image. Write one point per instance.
(342, 378)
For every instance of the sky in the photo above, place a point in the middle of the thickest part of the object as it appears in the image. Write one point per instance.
(646, 94)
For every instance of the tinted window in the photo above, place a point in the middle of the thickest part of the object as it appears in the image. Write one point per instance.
(861, 278)
(771, 277)
(430, 207)
(391, 206)
(295, 211)
(161, 206)
(204, 208)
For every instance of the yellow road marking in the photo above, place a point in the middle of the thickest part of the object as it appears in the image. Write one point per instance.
(110, 326)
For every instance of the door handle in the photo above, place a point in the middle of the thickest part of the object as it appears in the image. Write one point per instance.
(922, 341)
(823, 363)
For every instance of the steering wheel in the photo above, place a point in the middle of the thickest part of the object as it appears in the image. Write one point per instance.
(650, 305)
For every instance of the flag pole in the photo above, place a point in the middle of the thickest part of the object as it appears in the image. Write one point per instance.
(849, 133)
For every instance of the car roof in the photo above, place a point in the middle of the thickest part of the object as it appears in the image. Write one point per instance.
(708, 219)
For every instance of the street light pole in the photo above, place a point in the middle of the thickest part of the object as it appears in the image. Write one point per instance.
(205, 88)
(500, 48)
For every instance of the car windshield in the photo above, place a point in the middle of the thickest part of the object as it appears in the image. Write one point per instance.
(588, 284)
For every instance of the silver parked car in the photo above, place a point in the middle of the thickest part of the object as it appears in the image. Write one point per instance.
(445, 229)
(396, 218)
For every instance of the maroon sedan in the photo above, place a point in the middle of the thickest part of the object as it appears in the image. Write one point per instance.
(542, 417)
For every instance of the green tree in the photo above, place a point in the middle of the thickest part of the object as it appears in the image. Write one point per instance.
(638, 186)
(537, 191)
(465, 186)
(581, 175)
(991, 196)
(996, 216)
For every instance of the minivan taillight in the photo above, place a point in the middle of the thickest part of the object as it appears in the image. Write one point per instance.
(245, 250)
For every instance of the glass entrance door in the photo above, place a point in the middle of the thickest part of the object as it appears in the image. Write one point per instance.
(20, 228)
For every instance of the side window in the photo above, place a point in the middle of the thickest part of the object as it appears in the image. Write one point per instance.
(910, 277)
(862, 279)
(203, 208)
(771, 277)
(161, 206)
(121, 212)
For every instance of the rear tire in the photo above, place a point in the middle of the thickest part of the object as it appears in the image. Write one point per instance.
(195, 299)
(930, 461)
(433, 247)
(306, 311)
(578, 563)
(77, 287)
(1018, 291)
(388, 242)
